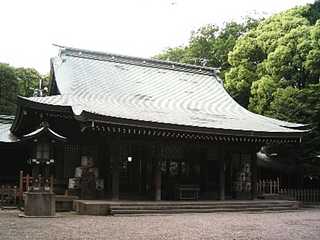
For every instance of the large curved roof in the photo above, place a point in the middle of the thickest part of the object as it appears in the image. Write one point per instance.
(146, 90)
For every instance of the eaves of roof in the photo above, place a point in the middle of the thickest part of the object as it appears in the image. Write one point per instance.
(40, 104)
(120, 125)
(22, 114)
(95, 118)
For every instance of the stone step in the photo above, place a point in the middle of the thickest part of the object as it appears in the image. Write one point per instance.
(172, 207)
(212, 210)
(202, 208)
(161, 207)
(201, 205)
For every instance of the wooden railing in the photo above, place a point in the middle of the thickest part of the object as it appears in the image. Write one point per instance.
(268, 187)
(272, 187)
(9, 196)
(14, 196)
(26, 182)
(302, 195)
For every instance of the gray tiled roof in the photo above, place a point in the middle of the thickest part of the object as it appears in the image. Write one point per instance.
(151, 91)
(5, 134)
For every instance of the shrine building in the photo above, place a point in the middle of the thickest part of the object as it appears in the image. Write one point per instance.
(120, 127)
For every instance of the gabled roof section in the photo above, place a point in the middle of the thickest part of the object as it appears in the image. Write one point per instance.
(141, 91)
(44, 130)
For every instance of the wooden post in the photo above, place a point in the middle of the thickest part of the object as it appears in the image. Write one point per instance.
(115, 174)
(28, 178)
(222, 176)
(15, 195)
(21, 187)
(35, 176)
(2, 194)
(51, 182)
(254, 175)
(157, 170)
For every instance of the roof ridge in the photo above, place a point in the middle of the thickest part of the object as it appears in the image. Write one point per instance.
(149, 62)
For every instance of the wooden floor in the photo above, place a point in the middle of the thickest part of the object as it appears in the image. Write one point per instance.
(101, 207)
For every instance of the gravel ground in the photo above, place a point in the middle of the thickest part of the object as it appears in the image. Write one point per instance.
(303, 224)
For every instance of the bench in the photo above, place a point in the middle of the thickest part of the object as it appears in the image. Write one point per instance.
(186, 191)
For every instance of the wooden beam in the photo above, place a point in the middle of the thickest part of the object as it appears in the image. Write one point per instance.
(115, 173)
(222, 176)
(157, 170)
(254, 175)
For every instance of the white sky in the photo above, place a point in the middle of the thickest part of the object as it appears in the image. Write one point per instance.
(141, 28)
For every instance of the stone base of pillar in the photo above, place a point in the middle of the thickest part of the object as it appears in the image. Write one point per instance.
(40, 204)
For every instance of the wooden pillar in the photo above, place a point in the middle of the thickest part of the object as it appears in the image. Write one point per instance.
(222, 176)
(46, 176)
(35, 175)
(115, 173)
(157, 170)
(254, 175)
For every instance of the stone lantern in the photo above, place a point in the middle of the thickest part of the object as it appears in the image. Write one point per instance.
(42, 158)
(40, 200)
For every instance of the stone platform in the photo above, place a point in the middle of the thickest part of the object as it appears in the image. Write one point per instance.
(39, 204)
(99, 207)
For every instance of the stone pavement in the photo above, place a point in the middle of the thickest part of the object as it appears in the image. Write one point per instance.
(302, 224)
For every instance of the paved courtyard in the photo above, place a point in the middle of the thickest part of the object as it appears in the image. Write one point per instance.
(303, 224)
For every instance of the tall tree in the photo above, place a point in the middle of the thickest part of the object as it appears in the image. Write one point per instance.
(176, 54)
(209, 45)
(28, 79)
(18, 81)
(9, 89)
(280, 48)
(262, 92)
(312, 63)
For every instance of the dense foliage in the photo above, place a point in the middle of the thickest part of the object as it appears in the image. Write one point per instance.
(210, 44)
(283, 50)
(9, 89)
(14, 82)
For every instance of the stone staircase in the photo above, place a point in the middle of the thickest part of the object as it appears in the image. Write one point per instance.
(175, 207)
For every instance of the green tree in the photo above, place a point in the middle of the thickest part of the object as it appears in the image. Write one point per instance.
(176, 54)
(312, 63)
(313, 13)
(245, 60)
(238, 88)
(28, 79)
(9, 89)
(45, 80)
(288, 60)
(289, 104)
(209, 45)
(262, 94)
(281, 47)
